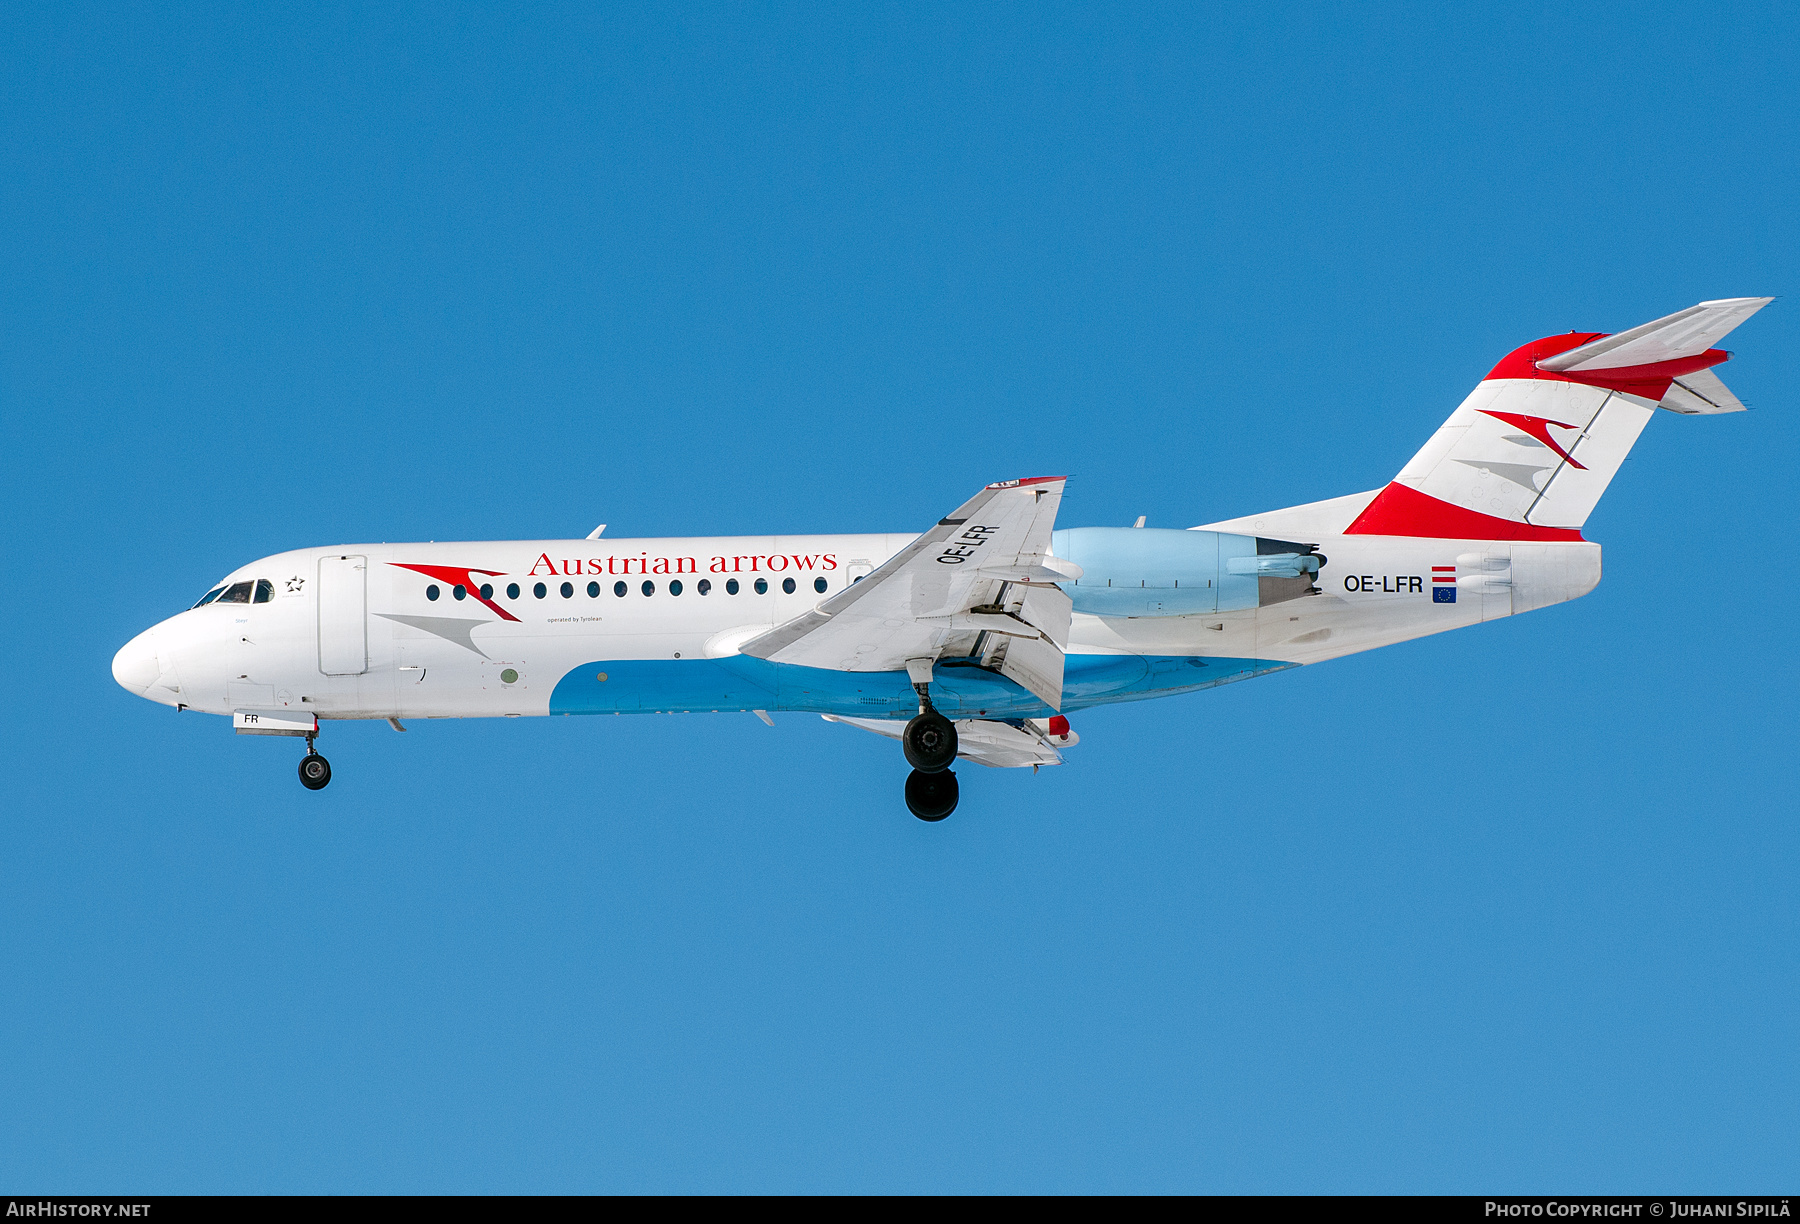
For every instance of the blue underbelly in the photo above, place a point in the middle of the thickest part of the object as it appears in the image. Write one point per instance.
(672, 686)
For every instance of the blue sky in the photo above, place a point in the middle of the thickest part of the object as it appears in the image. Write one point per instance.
(1511, 909)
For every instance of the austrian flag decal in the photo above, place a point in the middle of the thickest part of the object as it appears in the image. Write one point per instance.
(1443, 584)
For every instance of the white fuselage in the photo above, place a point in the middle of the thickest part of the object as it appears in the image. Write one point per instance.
(391, 650)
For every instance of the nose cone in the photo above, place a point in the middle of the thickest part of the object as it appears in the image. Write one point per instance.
(135, 666)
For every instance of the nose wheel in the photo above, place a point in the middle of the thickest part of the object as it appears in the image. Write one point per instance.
(315, 770)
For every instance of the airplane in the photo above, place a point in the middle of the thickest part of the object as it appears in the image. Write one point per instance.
(974, 640)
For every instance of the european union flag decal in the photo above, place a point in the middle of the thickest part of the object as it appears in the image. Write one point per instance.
(1443, 594)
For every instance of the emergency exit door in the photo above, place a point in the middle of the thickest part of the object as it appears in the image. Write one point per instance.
(343, 615)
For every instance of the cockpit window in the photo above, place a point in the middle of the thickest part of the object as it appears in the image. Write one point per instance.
(265, 591)
(210, 596)
(237, 592)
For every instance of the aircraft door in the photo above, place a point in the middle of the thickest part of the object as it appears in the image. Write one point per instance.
(343, 615)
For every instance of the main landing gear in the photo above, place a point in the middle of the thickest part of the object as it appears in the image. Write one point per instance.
(929, 743)
(931, 796)
(315, 770)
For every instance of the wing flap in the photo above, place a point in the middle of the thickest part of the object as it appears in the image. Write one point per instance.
(1036, 665)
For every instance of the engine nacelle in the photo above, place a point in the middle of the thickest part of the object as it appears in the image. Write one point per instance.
(1146, 571)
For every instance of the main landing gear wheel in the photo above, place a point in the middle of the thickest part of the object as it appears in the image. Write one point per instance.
(315, 771)
(929, 743)
(931, 796)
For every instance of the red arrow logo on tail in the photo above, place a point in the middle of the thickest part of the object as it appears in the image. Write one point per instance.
(1537, 427)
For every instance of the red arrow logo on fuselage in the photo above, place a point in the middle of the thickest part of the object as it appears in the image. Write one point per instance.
(460, 578)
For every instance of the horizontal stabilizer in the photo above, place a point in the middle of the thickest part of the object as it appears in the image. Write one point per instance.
(1686, 333)
(1700, 393)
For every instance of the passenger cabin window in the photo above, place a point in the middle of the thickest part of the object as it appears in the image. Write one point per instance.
(512, 590)
(731, 586)
(538, 591)
(675, 586)
(619, 589)
(649, 588)
(762, 586)
(593, 590)
(265, 591)
(704, 586)
(568, 590)
(209, 597)
(237, 592)
(787, 585)
(819, 585)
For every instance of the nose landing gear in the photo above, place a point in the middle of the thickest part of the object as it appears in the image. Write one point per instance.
(315, 770)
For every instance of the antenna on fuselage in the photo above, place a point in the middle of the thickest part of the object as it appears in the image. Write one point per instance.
(595, 533)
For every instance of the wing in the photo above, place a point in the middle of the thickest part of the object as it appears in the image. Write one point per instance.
(979, 585)
(986, 741)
